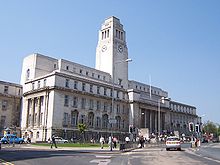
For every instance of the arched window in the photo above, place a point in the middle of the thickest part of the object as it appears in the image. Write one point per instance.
(90, 119)
(74, 118)
(105, 121)
(118, 122)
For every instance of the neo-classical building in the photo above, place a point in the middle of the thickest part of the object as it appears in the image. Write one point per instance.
(181, 115)
(10, 106)
(58, 94)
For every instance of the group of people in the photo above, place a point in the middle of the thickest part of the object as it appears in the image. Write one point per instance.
(112, 142)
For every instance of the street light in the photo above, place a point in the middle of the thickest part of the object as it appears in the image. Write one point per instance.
(162, 99)
(113, 88)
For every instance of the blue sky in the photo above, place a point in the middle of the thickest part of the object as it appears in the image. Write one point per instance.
(177, 42)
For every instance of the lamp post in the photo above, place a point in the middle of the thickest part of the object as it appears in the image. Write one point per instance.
(162, 99)
(113, 88)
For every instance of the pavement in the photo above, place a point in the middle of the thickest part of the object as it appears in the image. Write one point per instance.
(75, 149)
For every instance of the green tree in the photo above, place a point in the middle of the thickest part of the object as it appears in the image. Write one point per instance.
(82, 127)
(210, 127)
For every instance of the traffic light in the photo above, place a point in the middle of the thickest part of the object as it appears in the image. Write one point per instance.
(191, 127)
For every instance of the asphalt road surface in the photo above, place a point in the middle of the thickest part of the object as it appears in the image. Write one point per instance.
(151, 155)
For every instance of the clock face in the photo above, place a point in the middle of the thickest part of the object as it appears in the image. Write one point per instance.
(104, 48)
(120, 48)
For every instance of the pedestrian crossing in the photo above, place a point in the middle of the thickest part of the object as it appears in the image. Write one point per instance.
(102, 159)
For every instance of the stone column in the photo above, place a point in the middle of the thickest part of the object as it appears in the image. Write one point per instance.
(32, 112)
(150, 129)
(28, 105)
(38, 111)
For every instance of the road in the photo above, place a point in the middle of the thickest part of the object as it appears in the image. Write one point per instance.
(151, 155)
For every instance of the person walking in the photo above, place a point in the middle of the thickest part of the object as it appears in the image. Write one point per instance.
(102, 141)
(141, 142)
(53, 142)
(114, 142)
(127, 139)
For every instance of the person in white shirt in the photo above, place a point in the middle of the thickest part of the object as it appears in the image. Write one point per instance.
(127, 139)
(102, 141)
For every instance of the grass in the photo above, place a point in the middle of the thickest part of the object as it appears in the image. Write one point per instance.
(83, 145)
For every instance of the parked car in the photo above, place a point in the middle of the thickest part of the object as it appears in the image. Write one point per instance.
(60, 140)
(173, 142)
(11, 138)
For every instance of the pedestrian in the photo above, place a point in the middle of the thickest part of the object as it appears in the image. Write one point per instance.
(110, 141)
(102, 141)
(127, 139)
(114, 142)
(53, 142)
(141, 142)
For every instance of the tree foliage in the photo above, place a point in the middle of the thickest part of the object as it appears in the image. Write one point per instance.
(211, 128)
(82, 127)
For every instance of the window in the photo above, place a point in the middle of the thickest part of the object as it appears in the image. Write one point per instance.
(3, 121)
(105, 93)
(119, 81)
(45, 82)
(38, 134)
(91, 88)
(54, 66)
(67, 67)
(67, 83)
(75, 84)
(118, 108)
(28, 74)
(123, 123)
(111, 93)
(98, 122)
(75, 102)
(93, 74)
(104, 78)
(98, 90)
(65, 119)
(118, 122)
(87, 73)
(4, 105)
(91, 104)
(6, 89)
(38, 84)
(123, 109)
(83, 87)
(66, 101)
(117, 94)
(90, 119)
(80, 71)
(105, 106)
(83, 103)
(98, 76)
(32, 85)
(105, 121)
(74, 118)
(82, 119)
(98, 105)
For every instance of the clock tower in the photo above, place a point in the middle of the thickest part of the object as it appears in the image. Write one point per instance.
(112, 52)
